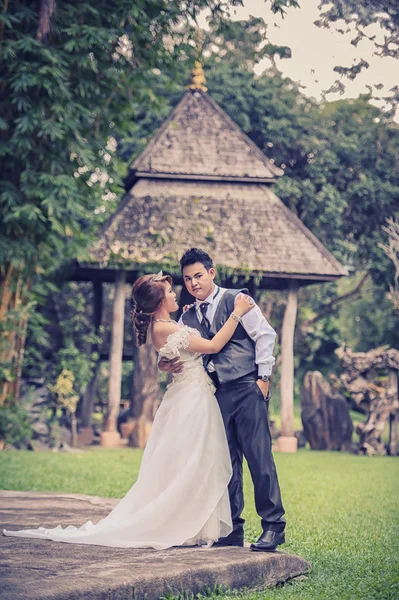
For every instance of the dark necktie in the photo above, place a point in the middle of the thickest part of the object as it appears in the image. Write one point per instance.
(205, 322)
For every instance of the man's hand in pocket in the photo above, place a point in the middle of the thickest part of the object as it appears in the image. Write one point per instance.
(264, 387)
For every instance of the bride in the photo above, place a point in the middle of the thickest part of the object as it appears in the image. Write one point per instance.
(180, 497)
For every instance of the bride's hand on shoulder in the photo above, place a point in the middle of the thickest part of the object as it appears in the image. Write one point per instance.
(187, 307)
(243, 304)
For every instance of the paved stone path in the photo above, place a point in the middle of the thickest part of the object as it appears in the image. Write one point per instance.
(33, 569)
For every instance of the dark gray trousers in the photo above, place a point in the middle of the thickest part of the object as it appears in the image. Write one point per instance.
(245, 416)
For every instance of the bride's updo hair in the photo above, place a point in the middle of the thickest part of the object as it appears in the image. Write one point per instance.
(148, 292)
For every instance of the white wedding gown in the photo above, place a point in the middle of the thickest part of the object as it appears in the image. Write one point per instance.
(180, 496)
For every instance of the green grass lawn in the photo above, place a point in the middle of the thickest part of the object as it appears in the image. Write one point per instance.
(342, 512)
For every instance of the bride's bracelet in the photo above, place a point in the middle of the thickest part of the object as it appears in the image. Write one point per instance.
(236, 318)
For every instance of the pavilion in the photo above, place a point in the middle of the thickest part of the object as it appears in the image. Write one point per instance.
(202, 182)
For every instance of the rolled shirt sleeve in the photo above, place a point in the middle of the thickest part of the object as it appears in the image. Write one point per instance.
(264, 336)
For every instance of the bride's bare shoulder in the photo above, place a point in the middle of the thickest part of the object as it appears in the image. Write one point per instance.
(161, 331)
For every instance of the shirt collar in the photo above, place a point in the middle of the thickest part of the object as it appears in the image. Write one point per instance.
(210, 298)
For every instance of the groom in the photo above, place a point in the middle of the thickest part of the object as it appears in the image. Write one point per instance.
(241, 372)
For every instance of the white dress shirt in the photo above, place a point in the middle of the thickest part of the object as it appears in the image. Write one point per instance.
(254, 324)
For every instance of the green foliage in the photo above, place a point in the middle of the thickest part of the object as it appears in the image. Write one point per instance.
(69, 92)
(365, 321)
(64, 391)
(61, 336)
(67, 98)
(15, 425)
(340, 177)
(373, 25)
(66, 101)
(71, 359)
(370, 320)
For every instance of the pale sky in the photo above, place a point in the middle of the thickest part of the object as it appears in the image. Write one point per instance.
(316, 51)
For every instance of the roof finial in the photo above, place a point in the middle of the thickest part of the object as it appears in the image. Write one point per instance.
(198, 77)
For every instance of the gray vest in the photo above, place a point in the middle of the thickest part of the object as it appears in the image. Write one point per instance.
(237, 358)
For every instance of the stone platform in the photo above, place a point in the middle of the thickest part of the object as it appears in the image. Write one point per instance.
(33, 569)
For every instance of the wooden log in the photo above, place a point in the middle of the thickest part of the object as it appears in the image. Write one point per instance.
(115, 363)
(365, 379)
(325, 415)
(356, 363)
(287, 370)
(371, 431)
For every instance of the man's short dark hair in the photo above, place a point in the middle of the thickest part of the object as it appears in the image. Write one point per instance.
(194, 255)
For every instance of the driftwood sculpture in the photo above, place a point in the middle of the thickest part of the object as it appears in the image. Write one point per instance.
(325, 415)
(371, 380)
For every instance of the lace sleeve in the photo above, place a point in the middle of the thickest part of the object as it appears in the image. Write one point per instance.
(175, 342)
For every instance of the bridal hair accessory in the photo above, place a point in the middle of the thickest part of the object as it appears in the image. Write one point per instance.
(157, 277)
(141, 312)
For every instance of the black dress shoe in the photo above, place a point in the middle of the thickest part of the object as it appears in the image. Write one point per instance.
(235, 538)
(268, 541)
(224, 543)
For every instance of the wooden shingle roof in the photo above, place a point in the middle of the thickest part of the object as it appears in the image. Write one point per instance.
(202, 182)
(243, 226)
(199, 140)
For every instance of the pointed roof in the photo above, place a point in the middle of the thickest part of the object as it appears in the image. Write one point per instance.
(158, 220)
(202, 182)
(200, 141)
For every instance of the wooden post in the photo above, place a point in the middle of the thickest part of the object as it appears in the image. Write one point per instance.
(287, 442)
(85, 432)
(393, 417)
(110, 435)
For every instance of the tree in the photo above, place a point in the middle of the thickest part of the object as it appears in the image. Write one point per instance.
(372, 21)
(67, 398)
(72, 75)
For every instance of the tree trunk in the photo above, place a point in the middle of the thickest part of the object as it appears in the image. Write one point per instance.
(47, 10)
(90, 393)
(145, 393)
(20, 352)
(14, 317)
(74, 431)
(115, 362)
(287, 369)
(89, 398)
